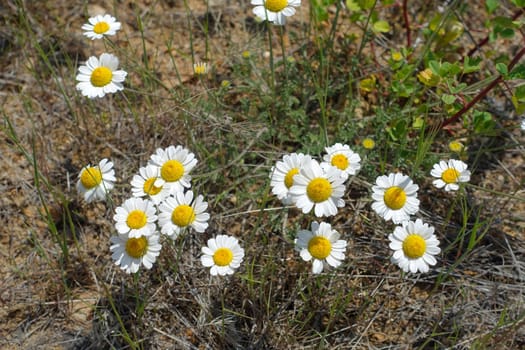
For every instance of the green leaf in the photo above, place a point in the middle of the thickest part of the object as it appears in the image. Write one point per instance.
(448, 99)
(435, 67)
(471, 65)
(367, 4)
(502, 68)
(519, 93)
(398, 131)
(352, 5)
(519, 3)
(418, 123)
(453, 69)
(381, 27)
(483, 123)
(507, 33)
(491, 5)
(502, 22)
(457, 89)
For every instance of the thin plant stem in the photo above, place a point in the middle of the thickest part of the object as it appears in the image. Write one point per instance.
(283, 52)
(188, 17)
(272, 63)
(407, 23)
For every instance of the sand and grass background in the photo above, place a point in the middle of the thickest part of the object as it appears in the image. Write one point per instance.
(59, 287)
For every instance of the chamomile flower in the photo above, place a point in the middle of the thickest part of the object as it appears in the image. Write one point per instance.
(175, 164)
(182, 210)
(414, 245)
(395, 197)
(131, 252)
(99, 76)
(136, 217)
(322, 244)
(275, 11)
(283, 173)
(450, 174)
(100, 25)
(200, 68)
(148, 183)
(94, 182)
(343, 158)
(223, 254)
(318, 188)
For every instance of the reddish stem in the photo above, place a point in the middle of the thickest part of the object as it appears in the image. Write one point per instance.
(407, 23)
(482, 93)
(485, 40)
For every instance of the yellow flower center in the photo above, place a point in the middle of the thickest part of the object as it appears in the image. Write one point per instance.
(450, 176)
(136, 219)
(91, 177)
(414, 246)
(368, 143)
(101, 76)
(200, 68)
(455, 146)
(395, 197)
(319, 189)
(275, 5)
(340, 161)
(319, 247)
(137, 247)
(101, 27)
(172, 170)
(223, 257)
(183, 215)
(288, 179)
(150, 188)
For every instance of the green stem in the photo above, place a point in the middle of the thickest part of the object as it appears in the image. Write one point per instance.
(283, 52)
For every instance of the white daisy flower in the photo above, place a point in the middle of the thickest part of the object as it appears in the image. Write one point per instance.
(95, 182)
(414, 245)
(136, 217)
(318, 188)
(180, 211)
(275, 11)
(100, 76)
(395, 197)
(283, 173)
(100, 25)
(322, 244)
(523, 124)
(450, 174)
(175, 164)
(223, 254)
(130, 252)
(343, 158)
(148, 183)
